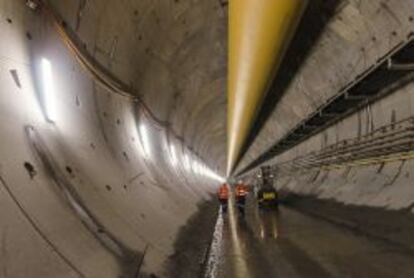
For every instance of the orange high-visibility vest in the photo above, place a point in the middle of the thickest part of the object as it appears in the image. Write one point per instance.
(241, 190)
(223, 192)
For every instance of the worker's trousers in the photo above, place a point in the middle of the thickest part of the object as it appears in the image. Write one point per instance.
(241, 203)
(223, 204)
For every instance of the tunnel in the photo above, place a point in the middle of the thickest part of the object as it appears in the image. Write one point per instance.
(121, 119)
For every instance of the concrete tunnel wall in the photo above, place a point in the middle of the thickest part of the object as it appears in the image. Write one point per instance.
(88, 195)
(83, 195)
(356, 35)
(385, 185)
(376, 198)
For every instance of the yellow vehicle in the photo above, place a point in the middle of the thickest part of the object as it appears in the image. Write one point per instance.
(267, 196)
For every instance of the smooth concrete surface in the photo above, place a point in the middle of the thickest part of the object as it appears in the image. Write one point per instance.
(287, 243)
(102, 191)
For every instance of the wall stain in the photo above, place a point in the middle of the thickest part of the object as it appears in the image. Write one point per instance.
(79, 14)
(98, 113)
(397, 174)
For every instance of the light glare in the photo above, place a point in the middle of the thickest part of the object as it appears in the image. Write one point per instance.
(173, 154)
(186, 162)
(48, 96)
(143, 131)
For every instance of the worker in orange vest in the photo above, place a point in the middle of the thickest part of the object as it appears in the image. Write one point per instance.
(223, 196)
(241, 194)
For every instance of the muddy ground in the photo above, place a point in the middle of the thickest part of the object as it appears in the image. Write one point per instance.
(193, 241)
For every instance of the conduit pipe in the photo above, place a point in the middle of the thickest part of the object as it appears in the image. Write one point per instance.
(259, 33)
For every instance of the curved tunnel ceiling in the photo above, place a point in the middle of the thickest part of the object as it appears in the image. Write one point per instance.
(107, 183)
(172, 56)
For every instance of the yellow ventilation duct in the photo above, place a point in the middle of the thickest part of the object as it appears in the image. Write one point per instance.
(259, 33)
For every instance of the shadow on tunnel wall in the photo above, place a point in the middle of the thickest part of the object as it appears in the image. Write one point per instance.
(312, 25)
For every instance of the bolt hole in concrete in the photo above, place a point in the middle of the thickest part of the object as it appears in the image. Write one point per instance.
(9, 20)
(29, 36)
(125, 156)
(69, 170)
(30, 169)
(108, 187)
(410, 19)
(16, 78)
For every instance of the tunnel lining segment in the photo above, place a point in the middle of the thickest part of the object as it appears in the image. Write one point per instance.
(103, 76)
(374, 83)
(39, 230)
(387, 143)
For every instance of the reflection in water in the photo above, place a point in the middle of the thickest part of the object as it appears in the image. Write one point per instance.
(234, 250)
(238, 252)
(268, 221)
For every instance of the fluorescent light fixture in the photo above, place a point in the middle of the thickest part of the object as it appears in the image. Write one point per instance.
(48, 90)
(143, 131)
(207, 172)
(197, 167)
(173, 154)
(136, 138)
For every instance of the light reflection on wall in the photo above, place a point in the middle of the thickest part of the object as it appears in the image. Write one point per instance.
(190, 163)
(173, 155)
(187, 165)
(194, 165)
(145, 139)
(48, 97)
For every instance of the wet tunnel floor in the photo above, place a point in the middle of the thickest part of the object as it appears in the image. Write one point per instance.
(288, 243)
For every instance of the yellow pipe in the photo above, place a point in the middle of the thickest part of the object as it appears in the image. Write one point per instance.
(259, 33)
